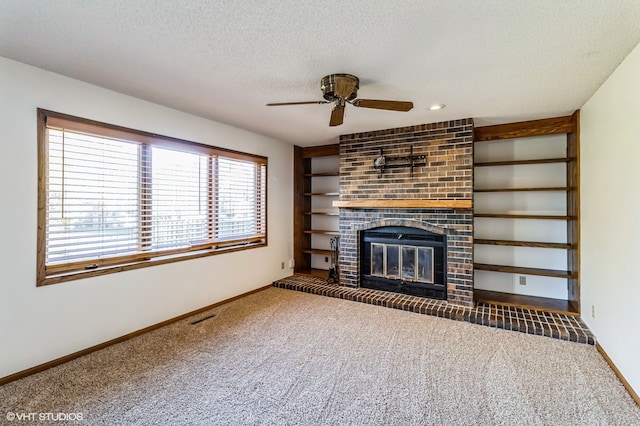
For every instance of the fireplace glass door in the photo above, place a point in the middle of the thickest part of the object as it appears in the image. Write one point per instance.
(405, 262)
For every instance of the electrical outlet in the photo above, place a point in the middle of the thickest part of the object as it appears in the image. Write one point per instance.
(326, 259)
(523, 280)
(593, 311)
(282, 266)
(292, 263)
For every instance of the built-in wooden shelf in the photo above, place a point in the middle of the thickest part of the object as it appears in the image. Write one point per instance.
(318, 251)
(406, 204)
(542, 189)
(322, 174)
(537, 244)
(564, 162)
(315, 178)
(558, 306)
(524, 216)
(329, 194)
(522, 162)
(321, 231)
(523, 271)
(322, 213)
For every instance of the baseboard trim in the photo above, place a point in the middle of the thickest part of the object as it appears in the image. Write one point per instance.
(78, 354)
(624, 382)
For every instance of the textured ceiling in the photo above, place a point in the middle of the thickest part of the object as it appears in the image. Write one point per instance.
(494, 60)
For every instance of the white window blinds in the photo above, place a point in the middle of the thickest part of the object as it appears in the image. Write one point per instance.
(92, 197)
(112, 197)
(239, 199)
(180, 207)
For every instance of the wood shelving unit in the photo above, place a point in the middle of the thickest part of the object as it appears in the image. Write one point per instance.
(565, 246)
(559, 125)
(317, 194)
(522, 162)
(322, 174)
(523, 271)
(318, 251)
(306, 194)
(547, 189)
(524, 216)
(557, 306)
(321, 231)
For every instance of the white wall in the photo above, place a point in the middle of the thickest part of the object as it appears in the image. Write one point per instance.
(610, 216)
(38, 324)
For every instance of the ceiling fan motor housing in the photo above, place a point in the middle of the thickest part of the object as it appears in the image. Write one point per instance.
(338, 89)
(329, 83)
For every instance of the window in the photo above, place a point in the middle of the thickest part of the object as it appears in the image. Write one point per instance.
(112, 199)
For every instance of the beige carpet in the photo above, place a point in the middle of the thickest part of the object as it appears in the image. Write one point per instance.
(282, 357)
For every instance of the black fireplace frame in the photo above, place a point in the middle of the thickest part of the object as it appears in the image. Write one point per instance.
(404, 235)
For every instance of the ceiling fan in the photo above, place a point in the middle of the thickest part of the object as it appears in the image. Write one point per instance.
(342, 89)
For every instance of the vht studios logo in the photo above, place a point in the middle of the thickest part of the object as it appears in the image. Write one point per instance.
(52, 417)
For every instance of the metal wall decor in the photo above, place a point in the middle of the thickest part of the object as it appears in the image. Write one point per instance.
(383, 162)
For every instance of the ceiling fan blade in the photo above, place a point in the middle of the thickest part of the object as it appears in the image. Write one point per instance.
(297, 103)
(337, 115)
(344, 87)
(379, 104)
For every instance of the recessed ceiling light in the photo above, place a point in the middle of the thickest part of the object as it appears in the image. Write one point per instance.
(436, 107)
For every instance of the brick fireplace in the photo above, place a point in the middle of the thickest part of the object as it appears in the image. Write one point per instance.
(434, 195)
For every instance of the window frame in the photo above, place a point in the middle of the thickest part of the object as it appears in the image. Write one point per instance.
(57, 273)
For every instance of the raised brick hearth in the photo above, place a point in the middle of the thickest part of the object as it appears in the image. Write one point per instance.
(447, 149)
(530, 321)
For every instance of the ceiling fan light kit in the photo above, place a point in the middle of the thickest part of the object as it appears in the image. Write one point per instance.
(342, 89)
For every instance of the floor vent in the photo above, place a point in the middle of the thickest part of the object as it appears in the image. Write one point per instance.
(203, 319)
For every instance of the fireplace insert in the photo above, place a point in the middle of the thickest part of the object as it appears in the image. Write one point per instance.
(404, 260)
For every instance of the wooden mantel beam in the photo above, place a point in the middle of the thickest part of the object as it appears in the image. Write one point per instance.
(405, 204)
